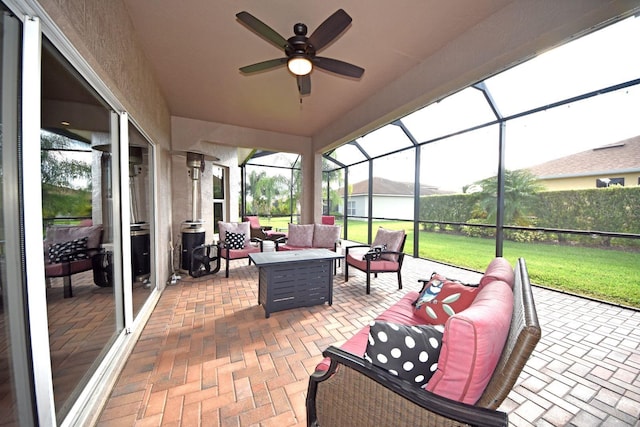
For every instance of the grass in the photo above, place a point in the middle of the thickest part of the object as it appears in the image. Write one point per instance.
(605, 274)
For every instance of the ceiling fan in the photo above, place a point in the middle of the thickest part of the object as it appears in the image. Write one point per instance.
(300, 50)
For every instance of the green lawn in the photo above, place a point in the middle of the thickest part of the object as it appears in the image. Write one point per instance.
(605, 274)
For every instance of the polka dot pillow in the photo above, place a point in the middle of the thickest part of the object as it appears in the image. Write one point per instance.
(409, 352)
(234, 240)
(72, 250)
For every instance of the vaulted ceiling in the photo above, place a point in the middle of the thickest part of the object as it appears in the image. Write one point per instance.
(413, 52)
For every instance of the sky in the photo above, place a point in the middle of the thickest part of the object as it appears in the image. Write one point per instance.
(598, 60)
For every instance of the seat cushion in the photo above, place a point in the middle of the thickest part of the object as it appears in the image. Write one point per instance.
(378, 265)
(239, 253)
(291, 248)
(67, 268)
(401, 313)
(472, 344)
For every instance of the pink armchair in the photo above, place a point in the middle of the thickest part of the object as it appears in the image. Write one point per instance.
(262, 232)
(69, 250)
(385, 255)
(236, 242)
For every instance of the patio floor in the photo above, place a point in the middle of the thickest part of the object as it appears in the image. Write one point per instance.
(209, 357)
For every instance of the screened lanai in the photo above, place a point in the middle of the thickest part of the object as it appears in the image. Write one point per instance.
(541, 160)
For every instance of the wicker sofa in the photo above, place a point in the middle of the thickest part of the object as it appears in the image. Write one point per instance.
(471, 380)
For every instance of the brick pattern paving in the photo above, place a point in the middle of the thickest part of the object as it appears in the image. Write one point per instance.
(208, 356)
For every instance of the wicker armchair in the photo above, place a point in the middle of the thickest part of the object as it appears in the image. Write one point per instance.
(354, 393)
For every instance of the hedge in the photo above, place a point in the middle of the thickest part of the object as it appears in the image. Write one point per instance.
(613, 209)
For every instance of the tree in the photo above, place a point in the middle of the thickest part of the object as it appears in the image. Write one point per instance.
(57, 169)
(66, 182)
(519, 188)
(264, 191)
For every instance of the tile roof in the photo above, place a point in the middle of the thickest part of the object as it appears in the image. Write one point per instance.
(387, 187)
(622, 156)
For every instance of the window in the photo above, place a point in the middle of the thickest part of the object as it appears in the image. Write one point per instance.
(609, 182)
(351, 207)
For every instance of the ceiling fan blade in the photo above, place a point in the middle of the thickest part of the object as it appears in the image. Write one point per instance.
(304, 84)
(262, 29)
(338, 67)
(265, 65)
(330, 29)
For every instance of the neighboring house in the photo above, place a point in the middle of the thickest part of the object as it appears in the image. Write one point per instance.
(391, 199)
(613, 164)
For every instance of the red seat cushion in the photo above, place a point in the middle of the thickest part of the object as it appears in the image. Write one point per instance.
(379, 265)
(401, 312)
(239, 253)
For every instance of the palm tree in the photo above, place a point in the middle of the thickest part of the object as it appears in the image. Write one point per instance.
(519, 188)
(268, 188)
(253, 190)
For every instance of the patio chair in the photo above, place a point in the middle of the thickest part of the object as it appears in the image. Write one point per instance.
(328, 219)
(263, 232)
(236, 242)
(385, 255)
(69, 250)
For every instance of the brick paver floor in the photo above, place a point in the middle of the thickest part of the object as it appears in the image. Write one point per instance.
(209, 357)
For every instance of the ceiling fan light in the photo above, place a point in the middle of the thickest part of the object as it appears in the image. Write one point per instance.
(300, 66)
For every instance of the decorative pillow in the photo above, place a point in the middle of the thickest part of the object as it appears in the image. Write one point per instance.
(409, 352)
(234, 240)
(441, 298)
(325, 236)
(375, 252)
(72, 250)
(236, 227)
(393, 240)
(472, 343)
(300, 235)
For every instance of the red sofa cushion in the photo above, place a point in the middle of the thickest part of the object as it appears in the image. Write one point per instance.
(498, 269)
(472, 344)
(401, 312)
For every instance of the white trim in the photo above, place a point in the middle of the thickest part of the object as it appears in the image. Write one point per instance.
(125, 212)
(34, 262)
(14, 298)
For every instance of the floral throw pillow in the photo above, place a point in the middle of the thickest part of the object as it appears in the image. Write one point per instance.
(441, 298)
(375, 253)
(409, 352)
(234, 240)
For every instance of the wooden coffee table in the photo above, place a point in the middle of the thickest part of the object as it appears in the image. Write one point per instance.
(292, 279)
